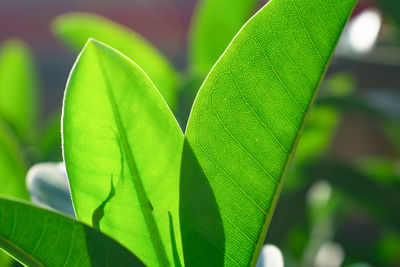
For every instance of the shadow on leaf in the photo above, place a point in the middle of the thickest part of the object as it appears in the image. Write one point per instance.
(200, 220)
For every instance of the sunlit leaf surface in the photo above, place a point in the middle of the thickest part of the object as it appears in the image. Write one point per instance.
(245, 123)
(122, 149)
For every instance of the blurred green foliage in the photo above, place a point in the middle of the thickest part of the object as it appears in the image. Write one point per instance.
(214, 24)
(19, 94)
(75, 29)
(22, 141)
(12, 165)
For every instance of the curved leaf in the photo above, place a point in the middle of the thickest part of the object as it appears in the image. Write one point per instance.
(214, 24)
(245, 123)
(76, 28)
(122, 149)
(18, 88)
(50, 239)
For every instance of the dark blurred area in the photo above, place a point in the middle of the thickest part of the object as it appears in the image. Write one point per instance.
(348, 197)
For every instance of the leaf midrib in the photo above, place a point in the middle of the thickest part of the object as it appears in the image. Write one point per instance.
(144, 201)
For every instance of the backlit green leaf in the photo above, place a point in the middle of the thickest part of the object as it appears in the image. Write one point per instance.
(76, 28)
(245, 123)
(38, 237)
(18, 88)
(214, 24)
(122, 149)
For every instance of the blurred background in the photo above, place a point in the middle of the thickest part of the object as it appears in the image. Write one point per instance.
(341, 200)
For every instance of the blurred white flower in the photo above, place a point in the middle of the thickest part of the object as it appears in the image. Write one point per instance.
(270, 256)
(361, 33)
(364, 30)
(48, 187)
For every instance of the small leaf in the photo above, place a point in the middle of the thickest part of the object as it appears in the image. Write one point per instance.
(119, 133)
(38, 237)
(245, 124)
(18, 88)
(76, 28)
(214, 24)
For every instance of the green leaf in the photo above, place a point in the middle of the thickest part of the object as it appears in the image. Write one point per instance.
(245, 123)
(122, 149)
(38, 237)
(214, 24)
(76, 28)
(18, 88)
(12, 165)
